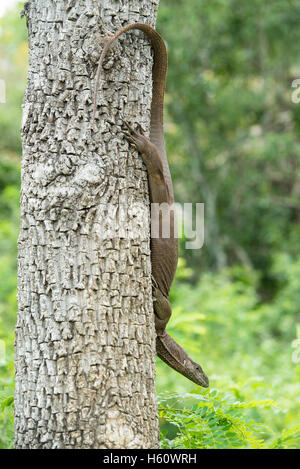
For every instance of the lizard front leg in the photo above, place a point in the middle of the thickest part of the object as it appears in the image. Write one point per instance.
(159, 192)
(164, 262)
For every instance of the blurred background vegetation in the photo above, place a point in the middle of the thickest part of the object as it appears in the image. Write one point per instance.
(233, 143)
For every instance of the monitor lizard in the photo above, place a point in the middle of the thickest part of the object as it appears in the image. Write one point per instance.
(164, 251)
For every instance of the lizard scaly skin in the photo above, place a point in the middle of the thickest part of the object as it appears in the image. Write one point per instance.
(164, 251)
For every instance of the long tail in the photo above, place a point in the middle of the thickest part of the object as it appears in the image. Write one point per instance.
(159, 78)
(159, 72)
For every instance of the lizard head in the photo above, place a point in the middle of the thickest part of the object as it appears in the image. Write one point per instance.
(195, 373)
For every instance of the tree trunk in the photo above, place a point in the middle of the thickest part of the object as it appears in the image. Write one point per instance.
(85, 338)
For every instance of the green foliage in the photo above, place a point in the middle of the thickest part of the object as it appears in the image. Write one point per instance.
(13, 68)
(223, 325)
(232, 137)
(6, 405)
(232, 128)
(9, 224)
(215, 420)
(211, 420)
(289, 439)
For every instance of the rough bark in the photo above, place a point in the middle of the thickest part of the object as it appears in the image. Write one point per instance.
(85, 339)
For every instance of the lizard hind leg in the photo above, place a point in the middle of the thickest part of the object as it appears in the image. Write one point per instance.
(162, 311)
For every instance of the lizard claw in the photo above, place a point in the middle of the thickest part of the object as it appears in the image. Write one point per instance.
(129, 137)
(133, 136)
(130, 134)
(141, 131)
(131, 129)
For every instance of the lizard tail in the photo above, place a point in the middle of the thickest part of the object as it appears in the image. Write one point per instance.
(173, 355)
(160, 66)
